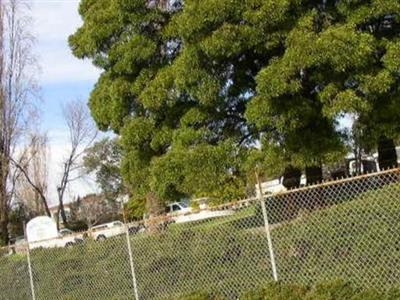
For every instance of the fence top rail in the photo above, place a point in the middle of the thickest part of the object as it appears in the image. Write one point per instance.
(335, 182)
(237, 203)
(308, 187)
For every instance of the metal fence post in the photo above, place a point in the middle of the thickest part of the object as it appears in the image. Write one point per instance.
(134, 281)
(267, 229)
(28, 257)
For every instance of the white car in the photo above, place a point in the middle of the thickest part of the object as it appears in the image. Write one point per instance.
(178, 208)
(107, 230)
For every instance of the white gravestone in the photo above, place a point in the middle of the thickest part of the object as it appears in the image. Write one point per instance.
(41, 228)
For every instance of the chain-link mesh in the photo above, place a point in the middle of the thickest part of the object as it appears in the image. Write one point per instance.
(343, 229)
(14, 274)
(224, 255)
(348, 229)
(91, 270)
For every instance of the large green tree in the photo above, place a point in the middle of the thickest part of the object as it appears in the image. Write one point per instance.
(175, 86)
(342, 57)
(190, 88)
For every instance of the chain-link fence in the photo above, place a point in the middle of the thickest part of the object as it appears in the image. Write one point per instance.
(346, 229)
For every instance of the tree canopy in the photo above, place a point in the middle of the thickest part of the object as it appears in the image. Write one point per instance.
(339, 59)
(193, 87)
(103, 159)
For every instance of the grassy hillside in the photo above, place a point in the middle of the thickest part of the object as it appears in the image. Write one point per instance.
(14, 278)
(357, 240)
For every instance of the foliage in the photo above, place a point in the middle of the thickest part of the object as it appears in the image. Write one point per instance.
(18, 216)
(276, 291)
(104, 158)
(135, 208)
(339, 59)
(190, 93)
(326, 290)
(18, 95)
(175, 87)
(191, 89)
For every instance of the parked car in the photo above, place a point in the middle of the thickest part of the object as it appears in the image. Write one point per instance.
(178, 208)
(107, 230)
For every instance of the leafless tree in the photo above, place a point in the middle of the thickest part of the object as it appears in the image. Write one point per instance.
(17, 93)
(31, 174)
(82, 133)
(92, 209)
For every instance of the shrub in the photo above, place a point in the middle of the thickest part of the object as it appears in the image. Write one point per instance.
(328, 290)
(276, 291)
(200, 296)
(331, 290)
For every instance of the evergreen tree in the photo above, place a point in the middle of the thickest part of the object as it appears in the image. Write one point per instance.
(341, 57)
(176, 84)
(191, 87)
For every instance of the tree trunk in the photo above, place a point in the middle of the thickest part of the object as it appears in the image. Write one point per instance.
(313, 175)
(154, 209)
(291, 177)
(3, 206)
(63, 215)
(3, 181)
(4, 226)
(61, 210)
(46, 206)
(387, 157)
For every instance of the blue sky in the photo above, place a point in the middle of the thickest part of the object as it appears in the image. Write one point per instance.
(62, 78)
(54, 94)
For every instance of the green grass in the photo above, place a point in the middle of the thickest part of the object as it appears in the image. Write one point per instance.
(14, 278)
(357, 239)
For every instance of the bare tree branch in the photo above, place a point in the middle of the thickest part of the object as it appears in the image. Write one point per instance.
(82, 133)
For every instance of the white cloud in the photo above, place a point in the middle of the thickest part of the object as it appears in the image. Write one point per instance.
(53, 22)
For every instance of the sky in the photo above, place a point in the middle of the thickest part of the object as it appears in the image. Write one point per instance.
(62, 78)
